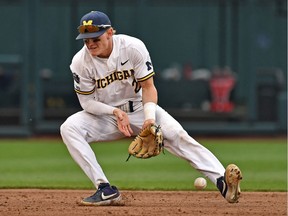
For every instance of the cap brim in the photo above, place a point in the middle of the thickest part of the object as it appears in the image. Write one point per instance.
(90, 35)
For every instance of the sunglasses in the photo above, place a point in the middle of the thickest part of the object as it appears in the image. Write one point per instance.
(91, 28)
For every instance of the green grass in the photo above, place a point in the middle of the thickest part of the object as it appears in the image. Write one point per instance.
(46, 163)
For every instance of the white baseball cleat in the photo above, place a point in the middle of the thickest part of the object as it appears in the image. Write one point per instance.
(229, 185)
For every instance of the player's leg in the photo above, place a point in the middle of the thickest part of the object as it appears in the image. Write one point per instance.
(178, 142)
(77, 132)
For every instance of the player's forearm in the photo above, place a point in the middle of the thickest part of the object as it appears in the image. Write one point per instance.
(88, 103)
(149, 98)
(149, 91)
(98, 108)
(149, 95)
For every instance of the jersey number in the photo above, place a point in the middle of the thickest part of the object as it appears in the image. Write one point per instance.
(136, 85)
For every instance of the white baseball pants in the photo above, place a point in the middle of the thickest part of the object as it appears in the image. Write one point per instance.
(82, 128)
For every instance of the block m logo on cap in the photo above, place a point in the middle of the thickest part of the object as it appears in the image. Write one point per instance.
(89, 22)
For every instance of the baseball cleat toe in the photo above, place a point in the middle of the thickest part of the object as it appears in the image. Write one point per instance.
(229, 185)
(233, 177)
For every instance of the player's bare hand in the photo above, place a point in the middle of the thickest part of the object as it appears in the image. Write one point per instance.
(147, 123)
(123, 122)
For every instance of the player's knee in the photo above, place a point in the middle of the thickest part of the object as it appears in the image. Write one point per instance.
(173, 135)
(183, 135)
(66, 128)
(63, 129)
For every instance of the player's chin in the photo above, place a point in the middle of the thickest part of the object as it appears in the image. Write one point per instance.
(94, 52)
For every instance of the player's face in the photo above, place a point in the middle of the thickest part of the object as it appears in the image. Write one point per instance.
(100, 46)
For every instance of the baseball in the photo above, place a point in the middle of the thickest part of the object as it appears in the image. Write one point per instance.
(200, 183)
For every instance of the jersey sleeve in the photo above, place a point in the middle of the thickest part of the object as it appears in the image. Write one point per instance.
(143, 68)
(84, 86)
(84, 83)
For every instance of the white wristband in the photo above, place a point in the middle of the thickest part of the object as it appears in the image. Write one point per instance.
(149, 110)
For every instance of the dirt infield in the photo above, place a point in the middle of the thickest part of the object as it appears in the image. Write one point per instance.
(153, 203)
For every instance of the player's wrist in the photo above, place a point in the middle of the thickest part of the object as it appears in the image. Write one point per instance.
(148, 123)
(149, 110)
(115, 111)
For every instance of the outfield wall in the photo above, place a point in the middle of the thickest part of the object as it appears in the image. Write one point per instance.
(188, 40)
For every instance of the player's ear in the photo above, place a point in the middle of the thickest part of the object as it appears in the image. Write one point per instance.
(109, 33)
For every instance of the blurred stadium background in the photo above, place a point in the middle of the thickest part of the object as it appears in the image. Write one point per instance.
(221, 64)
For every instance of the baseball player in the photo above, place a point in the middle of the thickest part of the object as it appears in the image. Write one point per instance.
(113, 79)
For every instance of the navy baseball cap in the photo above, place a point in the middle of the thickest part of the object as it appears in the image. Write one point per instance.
(93, 25)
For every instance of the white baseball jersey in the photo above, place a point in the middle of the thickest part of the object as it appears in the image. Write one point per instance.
(113, 81)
